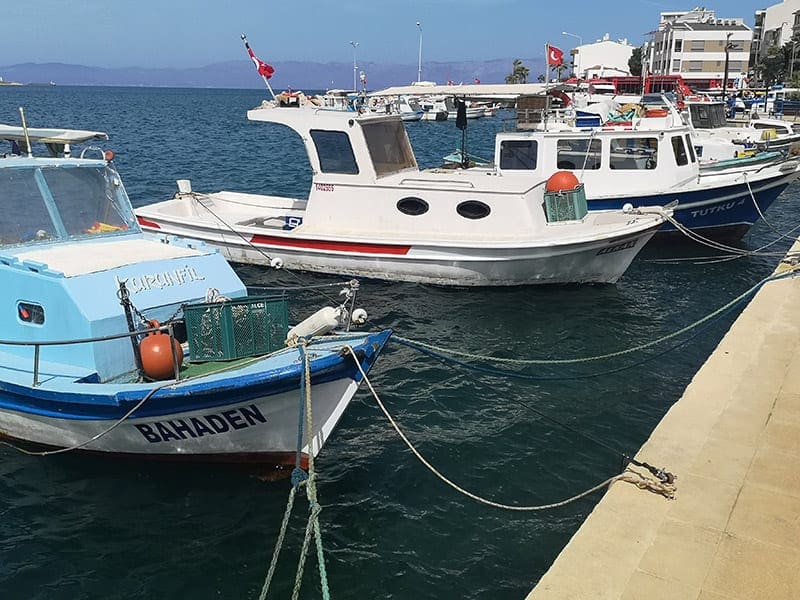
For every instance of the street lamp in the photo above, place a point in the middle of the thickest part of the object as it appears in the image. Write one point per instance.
(355, 68)
(419, 65)
(580, 43)
(728, 48)
(580, 39)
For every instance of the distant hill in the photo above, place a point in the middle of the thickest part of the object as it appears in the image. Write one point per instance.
(242, 74)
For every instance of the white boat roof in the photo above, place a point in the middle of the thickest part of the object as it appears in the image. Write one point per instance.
(506, 91)
(84, 258)
(50, 136)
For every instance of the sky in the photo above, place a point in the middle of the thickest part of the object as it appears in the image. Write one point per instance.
(195, 33)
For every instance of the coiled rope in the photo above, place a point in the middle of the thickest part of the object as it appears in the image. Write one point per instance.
(665, 486)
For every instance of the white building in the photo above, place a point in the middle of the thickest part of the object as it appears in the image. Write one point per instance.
(774, 26)
(693, 43)
(605, 57)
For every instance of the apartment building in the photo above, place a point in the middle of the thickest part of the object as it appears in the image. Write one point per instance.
(602, 58)
(773, 26)
(693, 44)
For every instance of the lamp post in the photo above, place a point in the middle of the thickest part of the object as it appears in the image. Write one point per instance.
(355, 67)
(575, 35)
(580, 43)
(419, 64)
(728, 48)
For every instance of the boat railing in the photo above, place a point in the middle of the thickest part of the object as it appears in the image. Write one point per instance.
(442, 182)
(104, 338)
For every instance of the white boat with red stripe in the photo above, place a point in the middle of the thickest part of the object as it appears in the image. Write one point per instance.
(371, 212)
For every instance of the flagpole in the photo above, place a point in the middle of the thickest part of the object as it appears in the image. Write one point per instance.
(547, 65)
(266, 81)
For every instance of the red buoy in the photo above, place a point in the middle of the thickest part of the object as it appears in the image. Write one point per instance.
(561, 181)
(157, 358)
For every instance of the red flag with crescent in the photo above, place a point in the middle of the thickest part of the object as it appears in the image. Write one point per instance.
(555, 56)
(264, 69)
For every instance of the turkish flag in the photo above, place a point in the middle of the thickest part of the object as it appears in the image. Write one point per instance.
(264, 69)
(555, 56)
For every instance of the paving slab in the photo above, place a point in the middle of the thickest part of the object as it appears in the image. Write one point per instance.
(732, 532)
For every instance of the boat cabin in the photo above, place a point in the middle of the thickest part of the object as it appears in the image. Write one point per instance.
(68, 239)
(593, 153)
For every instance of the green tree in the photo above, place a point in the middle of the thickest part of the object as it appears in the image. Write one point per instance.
(519, 72)
(773, 65)
(635, 62)
(541, 78)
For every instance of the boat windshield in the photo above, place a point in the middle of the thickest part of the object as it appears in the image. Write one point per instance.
(708, 116)
(389, 147)
(62, 202)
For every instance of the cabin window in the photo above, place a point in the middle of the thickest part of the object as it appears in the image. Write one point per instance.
(778, 129)
(690, 148)
(679, 150)
(30, 312)
(708, 116)
(698, 45)
(388, 146)
(518, 155)
(335, 152)
(678, 45)
(59, 202)
(473, 209)
(412, 206)
(578, 154)
(88, 200)
(631, 153)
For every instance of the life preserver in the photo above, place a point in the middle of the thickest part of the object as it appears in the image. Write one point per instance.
(747, 94)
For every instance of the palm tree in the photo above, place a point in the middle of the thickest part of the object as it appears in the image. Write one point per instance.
(519, 72)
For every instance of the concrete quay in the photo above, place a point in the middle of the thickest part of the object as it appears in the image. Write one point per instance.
(733, 439)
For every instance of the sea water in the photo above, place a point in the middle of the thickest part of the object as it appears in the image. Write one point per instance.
(77, 527)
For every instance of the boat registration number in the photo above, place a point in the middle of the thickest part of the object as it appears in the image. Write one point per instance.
(617, 248)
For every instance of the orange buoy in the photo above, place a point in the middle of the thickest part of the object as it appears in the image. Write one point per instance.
(561, 181)
(157, 358)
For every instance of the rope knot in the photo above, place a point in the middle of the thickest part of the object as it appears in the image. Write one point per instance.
(299, 476)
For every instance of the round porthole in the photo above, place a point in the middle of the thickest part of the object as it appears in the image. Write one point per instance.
(412, 206)
(472, 209)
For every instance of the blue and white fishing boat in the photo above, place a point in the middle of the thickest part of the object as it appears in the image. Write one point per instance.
(650, 162)
(84, 364)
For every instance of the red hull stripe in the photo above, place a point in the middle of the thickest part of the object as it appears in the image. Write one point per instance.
(331, 246)
(147, 223)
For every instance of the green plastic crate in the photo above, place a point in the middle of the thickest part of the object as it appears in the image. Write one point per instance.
(568, 205)
(236, 328)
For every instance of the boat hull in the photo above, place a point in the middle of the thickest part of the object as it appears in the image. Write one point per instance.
(720, 213)
(250, 417)
(600, 261)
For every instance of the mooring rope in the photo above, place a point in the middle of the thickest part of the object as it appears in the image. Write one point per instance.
(566, 361)
(198, 198)
(307, 480)
(482, 500)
